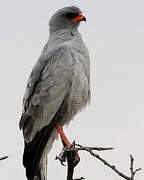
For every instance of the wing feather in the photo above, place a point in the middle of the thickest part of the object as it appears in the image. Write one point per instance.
(48, 85)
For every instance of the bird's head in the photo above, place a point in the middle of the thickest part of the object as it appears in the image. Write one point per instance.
(66, 18)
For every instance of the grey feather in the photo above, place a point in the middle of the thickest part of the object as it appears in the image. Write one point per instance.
(62, 70)
(48, 84)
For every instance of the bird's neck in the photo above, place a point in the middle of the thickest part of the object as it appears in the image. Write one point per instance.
(60, 28)
(61, 35)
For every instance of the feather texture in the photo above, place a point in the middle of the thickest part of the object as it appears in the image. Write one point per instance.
(33, 150)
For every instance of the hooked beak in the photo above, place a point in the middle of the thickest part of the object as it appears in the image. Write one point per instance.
(84, 18)
(79, 18)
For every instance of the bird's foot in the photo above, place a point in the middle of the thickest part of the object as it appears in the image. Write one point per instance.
(64, 154)
(62, 157)
(67, 145)
(69, 154)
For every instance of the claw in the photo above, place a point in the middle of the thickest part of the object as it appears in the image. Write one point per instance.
(62, 163)
(60, 159)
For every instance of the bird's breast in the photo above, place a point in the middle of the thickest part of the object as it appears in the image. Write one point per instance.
(79, 95)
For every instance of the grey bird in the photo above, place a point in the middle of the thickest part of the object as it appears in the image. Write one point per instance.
(57, 89)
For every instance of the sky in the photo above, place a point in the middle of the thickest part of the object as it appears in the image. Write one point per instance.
(114, 35)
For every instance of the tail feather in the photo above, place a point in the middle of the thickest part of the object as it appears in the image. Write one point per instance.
(33, 150)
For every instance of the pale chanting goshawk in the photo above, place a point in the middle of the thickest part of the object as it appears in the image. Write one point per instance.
(57, 89)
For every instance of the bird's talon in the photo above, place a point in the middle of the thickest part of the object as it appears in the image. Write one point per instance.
(61, 159)
(62, 163)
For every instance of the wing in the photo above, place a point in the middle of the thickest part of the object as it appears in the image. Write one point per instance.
(48, 85)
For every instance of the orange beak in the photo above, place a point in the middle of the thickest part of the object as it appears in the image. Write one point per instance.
(79, 18)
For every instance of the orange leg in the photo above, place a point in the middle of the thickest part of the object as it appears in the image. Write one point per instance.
(63, 136)
(66, 142)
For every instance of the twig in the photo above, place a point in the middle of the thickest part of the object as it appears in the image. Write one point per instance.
(79, 178)
(78, 147)
(90, 148)
(4, 157)
(105, 162)
(133, 172)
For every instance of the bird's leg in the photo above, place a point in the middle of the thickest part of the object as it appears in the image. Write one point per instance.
(66, 143)
(64, 139)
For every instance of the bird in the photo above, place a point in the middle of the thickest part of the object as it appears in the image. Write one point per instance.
(57, 89)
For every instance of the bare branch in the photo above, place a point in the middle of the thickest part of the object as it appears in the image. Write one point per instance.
(4, 157)
(105, 162)
(113, 167)
(79, 178)
(139, 169)
(133, 172)
(78, 147)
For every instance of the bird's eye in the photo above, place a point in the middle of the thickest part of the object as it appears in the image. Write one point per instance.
(71, 15)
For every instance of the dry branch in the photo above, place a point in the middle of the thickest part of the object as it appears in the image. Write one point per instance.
(3, 158)
(67, 152)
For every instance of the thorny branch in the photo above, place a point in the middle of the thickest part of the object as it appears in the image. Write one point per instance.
(78, 147)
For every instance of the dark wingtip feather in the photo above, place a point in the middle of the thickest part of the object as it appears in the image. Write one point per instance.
(34, 149)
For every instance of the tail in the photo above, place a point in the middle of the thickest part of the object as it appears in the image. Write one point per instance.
(42, 171)
(35, 167)
(33, 151)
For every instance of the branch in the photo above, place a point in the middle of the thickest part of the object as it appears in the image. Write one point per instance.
(79, 178)
(105, 162)
(89, 148)
(69, 155)
(113, 167)
(133, 172)
(70, 169)
(4, 157)
(78, 147)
